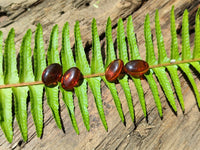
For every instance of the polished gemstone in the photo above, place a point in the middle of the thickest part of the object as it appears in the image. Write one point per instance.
(114, 70)
(136, 68)
(52, 75)
(71, 78)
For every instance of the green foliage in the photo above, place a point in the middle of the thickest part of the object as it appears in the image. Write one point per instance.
(52, 93)
(150, 58)
(162, 54)
(97, 67)
(123, 55)
(36, 91)
(26, 75)
(186, 54)
(175, 56)
(196, 51)
(162, 58)
(135, 55)
(174, 40)
(68, 62)
(9, 73)
(5, 102)
(110, 57)
(82, 63)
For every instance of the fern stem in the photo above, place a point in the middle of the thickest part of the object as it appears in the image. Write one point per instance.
(101, 74)
(20, 84)
(174, 63)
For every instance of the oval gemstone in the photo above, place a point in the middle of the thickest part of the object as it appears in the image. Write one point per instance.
(72, 78)
(136, 68)
(114, 70)
(52, 75)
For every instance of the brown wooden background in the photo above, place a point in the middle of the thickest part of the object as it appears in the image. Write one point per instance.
(172, 132)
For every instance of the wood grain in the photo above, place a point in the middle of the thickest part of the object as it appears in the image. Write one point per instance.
(179, 131)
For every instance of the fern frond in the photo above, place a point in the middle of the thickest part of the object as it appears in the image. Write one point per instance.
(11, 81)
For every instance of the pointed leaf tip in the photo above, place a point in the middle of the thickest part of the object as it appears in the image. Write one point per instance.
(186, 53)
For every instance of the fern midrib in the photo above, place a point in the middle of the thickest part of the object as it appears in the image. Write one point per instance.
(101, 73)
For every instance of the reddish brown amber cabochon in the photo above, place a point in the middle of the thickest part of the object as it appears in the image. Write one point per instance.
(136, 68)
(114, 69)
(71, 78)
(52, 75)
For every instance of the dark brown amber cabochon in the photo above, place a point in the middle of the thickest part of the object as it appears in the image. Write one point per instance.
(114, 70)
(136, 68)
(72, 78)
(52, 75)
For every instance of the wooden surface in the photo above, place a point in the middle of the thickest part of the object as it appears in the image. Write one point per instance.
(179, 131)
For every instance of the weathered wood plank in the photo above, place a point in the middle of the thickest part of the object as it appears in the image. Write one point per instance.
(176, 132)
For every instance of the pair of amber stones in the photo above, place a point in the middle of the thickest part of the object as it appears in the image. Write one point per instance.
(73, 77)
(53, 74)
(135, 68)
